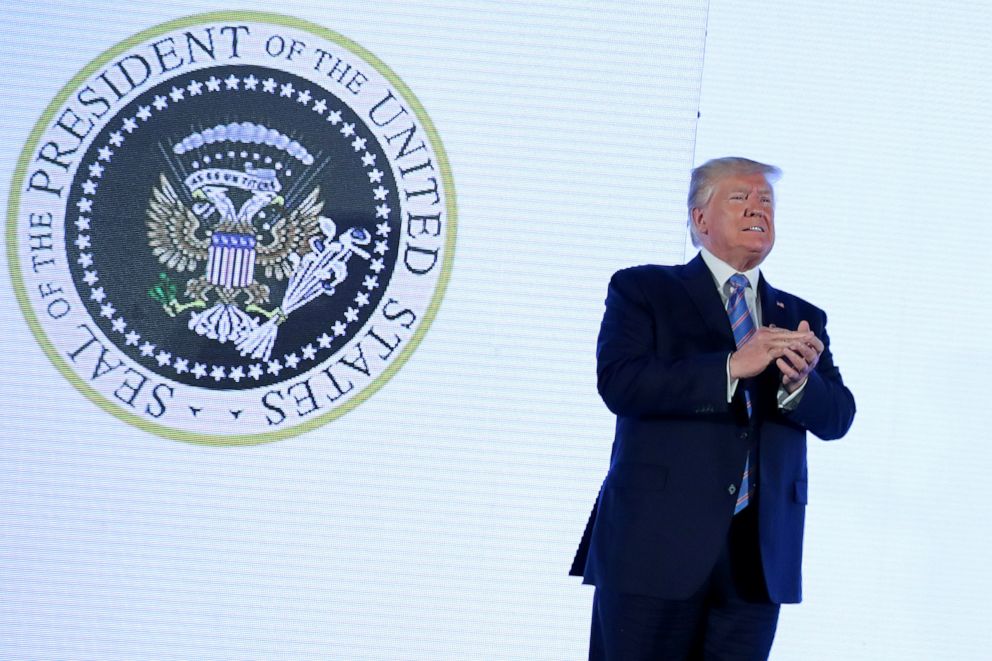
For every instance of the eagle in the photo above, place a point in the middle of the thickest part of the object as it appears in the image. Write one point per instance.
(214, 237)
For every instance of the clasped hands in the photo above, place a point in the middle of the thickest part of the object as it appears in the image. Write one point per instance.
(795, 353)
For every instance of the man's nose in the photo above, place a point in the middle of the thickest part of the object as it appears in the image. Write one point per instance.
(754, 208)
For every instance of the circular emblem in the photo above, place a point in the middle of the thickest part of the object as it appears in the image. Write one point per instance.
(231, 228)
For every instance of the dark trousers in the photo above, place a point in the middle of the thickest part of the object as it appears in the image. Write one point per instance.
(729, 618)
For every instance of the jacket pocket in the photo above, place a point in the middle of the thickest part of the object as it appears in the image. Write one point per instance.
(801, 494)
(644, 477)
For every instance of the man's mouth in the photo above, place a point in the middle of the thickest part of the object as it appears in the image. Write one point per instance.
(754, 228)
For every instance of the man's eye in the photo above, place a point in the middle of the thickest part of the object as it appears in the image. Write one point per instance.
(737, 197)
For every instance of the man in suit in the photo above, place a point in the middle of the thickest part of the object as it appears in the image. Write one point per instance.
(715, 377)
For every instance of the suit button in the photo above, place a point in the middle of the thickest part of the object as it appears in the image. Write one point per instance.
(732, 489)
(744, 434)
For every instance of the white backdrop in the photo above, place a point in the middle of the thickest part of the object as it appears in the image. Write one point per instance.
(437, 520)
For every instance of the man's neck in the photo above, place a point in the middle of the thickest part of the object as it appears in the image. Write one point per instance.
(721, 270)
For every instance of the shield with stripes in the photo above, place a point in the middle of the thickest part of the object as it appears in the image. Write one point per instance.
(231, 260)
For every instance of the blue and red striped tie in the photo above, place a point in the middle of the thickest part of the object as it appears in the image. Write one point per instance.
(743, 327)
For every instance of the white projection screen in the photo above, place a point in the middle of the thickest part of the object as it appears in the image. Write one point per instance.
(386, 445)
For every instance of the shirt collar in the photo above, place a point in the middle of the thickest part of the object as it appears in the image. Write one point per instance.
(722, 271)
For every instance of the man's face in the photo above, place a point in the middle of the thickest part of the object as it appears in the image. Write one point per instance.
(738, 223)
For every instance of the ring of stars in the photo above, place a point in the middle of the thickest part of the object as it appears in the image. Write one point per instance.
(160, 104)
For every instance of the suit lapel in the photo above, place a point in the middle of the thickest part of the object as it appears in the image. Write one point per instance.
(701, 289)
(773, 311)
(699, 284)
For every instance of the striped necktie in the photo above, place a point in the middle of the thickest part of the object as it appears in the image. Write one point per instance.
(743, 327)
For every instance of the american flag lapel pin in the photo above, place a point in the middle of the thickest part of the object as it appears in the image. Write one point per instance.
(780, 304)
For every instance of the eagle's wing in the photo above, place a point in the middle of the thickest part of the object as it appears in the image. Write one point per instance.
(172, 230)
(291, 234)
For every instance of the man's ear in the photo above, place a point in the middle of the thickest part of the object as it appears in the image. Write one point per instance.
(698, 220)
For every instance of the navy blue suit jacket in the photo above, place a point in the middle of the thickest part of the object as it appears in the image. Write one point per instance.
(664, 510)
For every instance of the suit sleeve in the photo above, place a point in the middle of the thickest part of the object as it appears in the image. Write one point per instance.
(638, 373)
(826, 407)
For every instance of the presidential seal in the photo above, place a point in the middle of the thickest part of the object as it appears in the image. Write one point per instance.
(232, 228)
